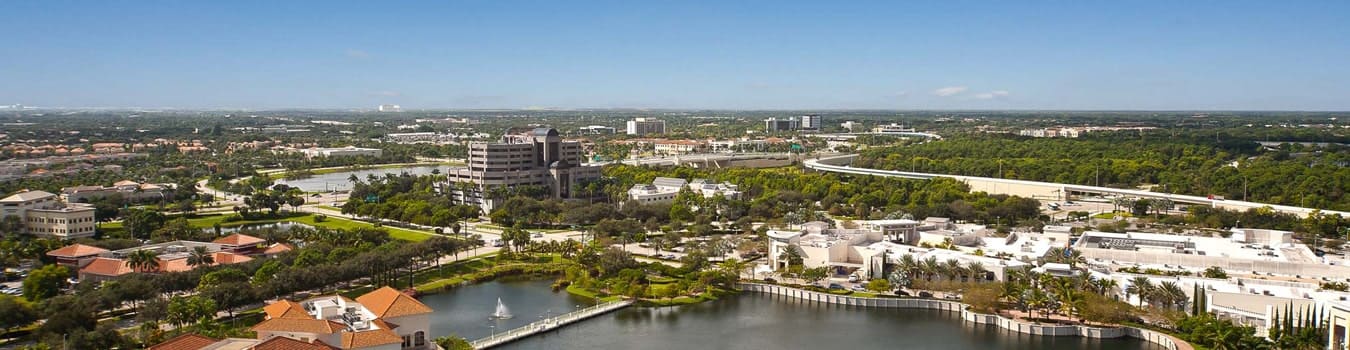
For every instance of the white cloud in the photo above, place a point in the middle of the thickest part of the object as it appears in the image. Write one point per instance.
(949, 91)
(354, 53)
(992, 95)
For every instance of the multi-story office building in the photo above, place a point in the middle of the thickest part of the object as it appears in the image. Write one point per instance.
(812, 122)
(43, 214)
(644, 126)
(773, 125)
(536, 158)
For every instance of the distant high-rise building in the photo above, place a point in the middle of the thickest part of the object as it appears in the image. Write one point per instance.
(643, 126)
(772, 125)
(539, 158)
(812, 122)
(390, 108)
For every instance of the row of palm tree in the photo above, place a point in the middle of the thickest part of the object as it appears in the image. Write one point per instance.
(952, 269)
(1166, 294)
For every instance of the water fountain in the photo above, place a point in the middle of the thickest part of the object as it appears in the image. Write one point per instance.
(502, 312)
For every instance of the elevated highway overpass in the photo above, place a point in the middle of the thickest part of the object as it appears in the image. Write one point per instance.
(1046, 190)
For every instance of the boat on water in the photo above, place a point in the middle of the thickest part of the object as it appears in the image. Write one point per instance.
(502, 312)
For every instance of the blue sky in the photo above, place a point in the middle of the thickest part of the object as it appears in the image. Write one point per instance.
(1138, 55)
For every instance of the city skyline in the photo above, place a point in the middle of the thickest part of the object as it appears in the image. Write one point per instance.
(747, 56)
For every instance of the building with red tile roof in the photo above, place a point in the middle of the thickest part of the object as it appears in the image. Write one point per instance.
(240, 243)
(381, 319)
(76, 255)
(103, 269)
(188, 341)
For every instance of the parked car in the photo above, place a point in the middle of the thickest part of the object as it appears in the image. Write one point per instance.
(836, 286)
(925, 295)
(770, 280)
(901, 293)
(538, 235)
(853, 279)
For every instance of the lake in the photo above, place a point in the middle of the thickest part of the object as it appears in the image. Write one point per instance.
(338, 181)
(749, 321)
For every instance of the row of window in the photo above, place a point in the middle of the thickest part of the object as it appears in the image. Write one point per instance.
(59, 221)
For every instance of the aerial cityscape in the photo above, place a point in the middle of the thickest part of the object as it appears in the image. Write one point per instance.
(693, 175)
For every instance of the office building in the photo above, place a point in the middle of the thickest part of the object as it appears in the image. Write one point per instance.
(644, 126)
(539, 157)
(43, 214)
(812, 122)
(773, 125)
(390, 108)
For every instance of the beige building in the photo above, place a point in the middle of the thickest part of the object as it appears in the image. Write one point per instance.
(536, 158)
(43, 214)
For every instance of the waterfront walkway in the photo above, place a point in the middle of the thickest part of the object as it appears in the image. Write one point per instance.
(548, 324)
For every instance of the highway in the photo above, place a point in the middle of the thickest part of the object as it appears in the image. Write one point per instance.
(1037, 189)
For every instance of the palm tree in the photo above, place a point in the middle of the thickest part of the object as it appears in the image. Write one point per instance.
(200, 256)
(951, 269)
(1139, 286)
(930, 267)
(909, 265)
(143, 261)
(791, 255)
(1171, 294)
(1036, 299)
(1106, 286)
(977, 271)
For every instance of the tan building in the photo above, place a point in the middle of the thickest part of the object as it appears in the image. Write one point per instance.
(43, 214)
(537, 158)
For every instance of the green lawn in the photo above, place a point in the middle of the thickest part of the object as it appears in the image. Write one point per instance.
(209, 221)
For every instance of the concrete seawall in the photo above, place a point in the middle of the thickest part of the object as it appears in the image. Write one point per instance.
(1159, 338)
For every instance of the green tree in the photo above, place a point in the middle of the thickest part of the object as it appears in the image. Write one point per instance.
(453, 342)
(816, 274)
(15, 312)
(45, 282)
(879, 285)
(1215, 272)
(187, 310)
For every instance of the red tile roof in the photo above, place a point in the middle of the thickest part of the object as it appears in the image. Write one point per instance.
(353, 340)
(226, 258)
(188, 341)
(299, 325)
(284, 343)
(389, 302)
(76, 251)
(285, 309)
(107, 267)
(239, 240)
(277, 248)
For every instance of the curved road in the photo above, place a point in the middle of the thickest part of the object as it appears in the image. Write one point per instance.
(1044, 189)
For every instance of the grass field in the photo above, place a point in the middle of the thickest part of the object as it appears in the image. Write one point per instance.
(209, 221)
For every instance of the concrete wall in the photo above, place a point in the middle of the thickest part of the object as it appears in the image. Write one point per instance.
(968, 316)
